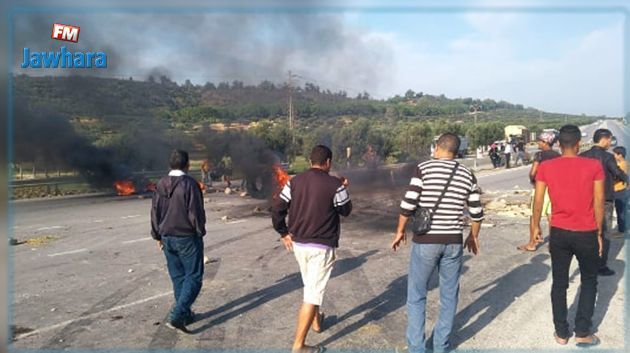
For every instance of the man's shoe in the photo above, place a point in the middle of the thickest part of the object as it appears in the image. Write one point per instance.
(179, 326)
(189, 319)
(605, 272)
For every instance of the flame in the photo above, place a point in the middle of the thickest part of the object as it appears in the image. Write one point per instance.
(124, 187)
(281, 177)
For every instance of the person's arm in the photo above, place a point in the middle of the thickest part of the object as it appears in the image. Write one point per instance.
(408, 207)
(476, 216)
(598, 208)
(196, 211)
(279, 210)
(532, 172)
(155, 218)
(341, 201)
(539, 198)
(615, 170)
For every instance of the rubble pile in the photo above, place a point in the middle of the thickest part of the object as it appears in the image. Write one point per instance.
(516, 205)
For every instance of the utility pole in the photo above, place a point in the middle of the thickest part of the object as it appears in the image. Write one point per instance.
(475, 111)
(290, 102)
(291, 117)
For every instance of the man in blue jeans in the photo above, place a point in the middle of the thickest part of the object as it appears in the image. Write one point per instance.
(440, 185)
(178, 223)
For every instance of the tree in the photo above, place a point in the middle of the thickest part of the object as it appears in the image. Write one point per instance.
(412, 140)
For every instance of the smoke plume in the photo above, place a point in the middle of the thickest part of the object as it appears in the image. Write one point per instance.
(216, 46)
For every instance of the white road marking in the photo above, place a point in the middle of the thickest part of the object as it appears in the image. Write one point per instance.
(236, 222)
(132, 216)
(136, 240)
(48, 228)
(89, 316)
(68, 252)
(97, 221)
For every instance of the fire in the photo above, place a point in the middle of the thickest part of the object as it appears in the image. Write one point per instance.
(281, 177)
(124, 187)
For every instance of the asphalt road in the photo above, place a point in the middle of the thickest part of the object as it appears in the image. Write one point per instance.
(100, 281)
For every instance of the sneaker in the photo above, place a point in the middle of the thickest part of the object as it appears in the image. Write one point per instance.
(190, 319)
(177, 326)
(605, 271)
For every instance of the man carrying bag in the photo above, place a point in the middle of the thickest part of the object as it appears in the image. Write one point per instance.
(438, 192)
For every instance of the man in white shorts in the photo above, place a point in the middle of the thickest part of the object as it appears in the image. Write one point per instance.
(314, 202)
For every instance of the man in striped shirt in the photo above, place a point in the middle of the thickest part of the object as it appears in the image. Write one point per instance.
(314, 202)
(442, 245)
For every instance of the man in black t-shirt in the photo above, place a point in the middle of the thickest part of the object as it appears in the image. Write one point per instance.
(545, 144)
(520, 152)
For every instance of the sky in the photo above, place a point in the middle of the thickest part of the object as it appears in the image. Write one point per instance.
(566, 62)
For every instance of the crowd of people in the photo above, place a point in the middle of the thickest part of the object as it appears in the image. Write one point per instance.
(577, 192)
(502, 153)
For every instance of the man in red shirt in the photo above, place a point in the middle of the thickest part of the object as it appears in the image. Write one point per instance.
(576, 190)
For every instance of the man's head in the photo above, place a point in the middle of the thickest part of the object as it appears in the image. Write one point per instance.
(179, 160)
(321, 157)
(620, 153)
(602, 138)
(569, 137)
(447, 146)
(546, 139)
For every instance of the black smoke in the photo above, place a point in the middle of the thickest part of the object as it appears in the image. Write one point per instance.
(251, 158)
(217, 46)
(49, 139)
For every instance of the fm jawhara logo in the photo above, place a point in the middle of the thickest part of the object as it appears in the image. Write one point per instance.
(64, 58)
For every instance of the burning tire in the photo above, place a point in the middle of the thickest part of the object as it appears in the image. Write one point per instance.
(267, 184)
(260, 186)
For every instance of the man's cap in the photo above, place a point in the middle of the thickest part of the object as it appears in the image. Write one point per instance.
(547, 136)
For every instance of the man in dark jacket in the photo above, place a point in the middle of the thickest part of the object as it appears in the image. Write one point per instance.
(314, 200)
(602, 139)
(178, 223)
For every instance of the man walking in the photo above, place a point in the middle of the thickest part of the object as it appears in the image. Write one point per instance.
(509, 149)
(520, 152)
(576, 189)
(178, 223)
(545, 144)
(313, 200)
(621, 190)
(602, 139)
(443, 179)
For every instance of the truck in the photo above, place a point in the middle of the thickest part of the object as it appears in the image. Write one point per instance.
(518, 132)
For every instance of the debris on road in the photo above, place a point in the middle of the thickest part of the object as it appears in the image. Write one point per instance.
(206, 259)
(37, 241)
(130, 270)
(19, 330)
